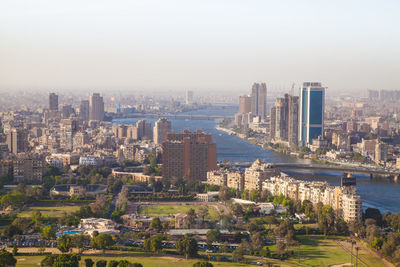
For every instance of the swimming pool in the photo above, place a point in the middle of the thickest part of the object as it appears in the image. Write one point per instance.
(70, 232)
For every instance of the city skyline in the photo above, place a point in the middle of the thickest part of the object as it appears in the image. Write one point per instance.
(351, 46)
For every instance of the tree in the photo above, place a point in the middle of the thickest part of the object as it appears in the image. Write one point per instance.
(62, 260)
(102, 241)
(89, 262)
(12, 230)
(48, 232)
(374, 214)
(64, 243)
(237, 210)
(326, 220)
(187, 246)
(238, 253)
(372, 231)
(6, 258)
(224, 193)
(257, 241)
(79, 241)
(212, 236)
(203, 212)
(156, 224)
(101, 263)
(203, 264)
(280, 248)
(15, 250)
(154, 243)
(113, 263)
(190, 218)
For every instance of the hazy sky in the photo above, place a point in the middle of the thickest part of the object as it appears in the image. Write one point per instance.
(204, 44)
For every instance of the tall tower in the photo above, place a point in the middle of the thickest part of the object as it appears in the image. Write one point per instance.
(161, 128)
(312, 107)
(259, 99)
(189, 97)
(53, 101)
(84, 110)
(17, 140)
(244, 104)
(96, 107)
(293, 120)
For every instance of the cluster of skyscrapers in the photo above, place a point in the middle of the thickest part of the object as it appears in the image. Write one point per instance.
(296, 120)
(299, 120)
(92, 109)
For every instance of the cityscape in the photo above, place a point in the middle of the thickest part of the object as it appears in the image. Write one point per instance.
(118, 161)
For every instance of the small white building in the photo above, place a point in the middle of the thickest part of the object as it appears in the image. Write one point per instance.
(100, 225)
(266, 208)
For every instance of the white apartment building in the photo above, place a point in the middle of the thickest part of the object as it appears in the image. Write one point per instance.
(342, 199)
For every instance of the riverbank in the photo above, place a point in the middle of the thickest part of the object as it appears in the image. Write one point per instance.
(254, 142)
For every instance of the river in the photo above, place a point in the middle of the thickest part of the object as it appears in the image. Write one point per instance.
(381, 194)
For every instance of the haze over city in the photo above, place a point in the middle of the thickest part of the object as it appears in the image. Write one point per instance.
(202, 45)
(199, 133)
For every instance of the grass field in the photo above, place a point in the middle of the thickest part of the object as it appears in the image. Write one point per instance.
(166, 210)
(30, 261)
(49, 211)
(316, 250)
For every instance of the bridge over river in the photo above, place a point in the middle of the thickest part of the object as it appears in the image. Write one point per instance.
(170, 115)
(335, 168)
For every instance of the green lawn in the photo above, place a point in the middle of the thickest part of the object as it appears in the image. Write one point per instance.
(49, 211)
(166, 210)
(316, 250)
(30, 261)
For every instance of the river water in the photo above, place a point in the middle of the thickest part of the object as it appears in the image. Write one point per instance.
(381, 194)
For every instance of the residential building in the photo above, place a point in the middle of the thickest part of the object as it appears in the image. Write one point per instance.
(351, 208)
(188, 155)
(53, 102)
(96, 107)
(245, 104)
(28, 168)
(235, 180)
(258, 172)
(17, 140)
(144, 130)
(217, 178)
(84, 110)
(259, 100)
(161, 128)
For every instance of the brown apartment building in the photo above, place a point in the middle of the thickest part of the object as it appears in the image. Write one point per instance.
(188, 155)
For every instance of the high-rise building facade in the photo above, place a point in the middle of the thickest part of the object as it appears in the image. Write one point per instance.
(312, 107)
(189, 97)
(144, 130)
(259, 99)
(96, 107)
(293, 120)
(68, 127)
(53, 101)
(284, 119)
(244, 104)
(188, 155)
(161, 128)
(84, 110)
(17, 140)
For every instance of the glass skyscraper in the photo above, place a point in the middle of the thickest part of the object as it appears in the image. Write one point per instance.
(311, 115)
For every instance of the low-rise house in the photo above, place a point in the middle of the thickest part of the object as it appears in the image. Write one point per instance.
(69, 190)
(100, 225)
(207, 197)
